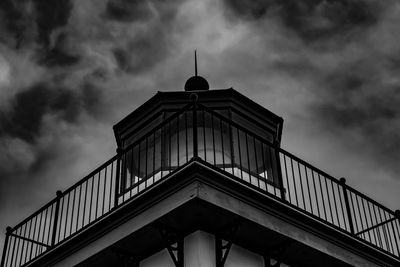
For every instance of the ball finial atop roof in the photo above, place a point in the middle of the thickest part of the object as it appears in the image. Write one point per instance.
(196, 83)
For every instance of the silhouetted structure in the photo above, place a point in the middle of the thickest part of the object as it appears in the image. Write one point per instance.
(199, 179)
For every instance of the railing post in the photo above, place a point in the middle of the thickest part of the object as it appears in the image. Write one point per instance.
(346, 200)
(279, 170)
(57, 211)
(3, 257)
(194, 98)
(397, 214)
(117, 176)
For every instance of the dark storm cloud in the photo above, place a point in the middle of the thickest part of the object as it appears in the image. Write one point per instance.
(147, 46)
(128, 10)
(92, 99)
(142, 53)
(38, 19)
(18, 16)
(356, 102)
(311, 20)
(25, 118)
(59, 54)
(15, 16)
(251, 10)
(51, 15)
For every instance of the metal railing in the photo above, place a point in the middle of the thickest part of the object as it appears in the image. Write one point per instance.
(198, 132)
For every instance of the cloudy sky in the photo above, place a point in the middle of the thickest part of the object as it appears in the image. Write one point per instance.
(71, 69)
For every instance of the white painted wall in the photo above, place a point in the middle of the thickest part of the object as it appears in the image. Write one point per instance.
(200, 252)
(239, 256)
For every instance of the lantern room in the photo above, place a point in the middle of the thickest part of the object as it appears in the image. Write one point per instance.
(171, 128)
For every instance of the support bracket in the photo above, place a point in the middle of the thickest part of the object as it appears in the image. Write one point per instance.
(276, 253)
(223, 246)
(174, 243)
(267, 262)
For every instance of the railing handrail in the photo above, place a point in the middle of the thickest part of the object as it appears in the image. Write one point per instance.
(44, 207)
(196, 108)
(285, 152)
(81, 181)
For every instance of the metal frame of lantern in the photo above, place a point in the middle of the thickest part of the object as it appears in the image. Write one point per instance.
(216, 140)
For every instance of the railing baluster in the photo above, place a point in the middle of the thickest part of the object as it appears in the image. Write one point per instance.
(111, 182)
(204, 135)
(29, 247)
(97, 195)
(78, 208)
(117, 177)
(341, 205)
(104, 192)
(255, 160)
(366, 218)
(388, 231)
(194, 114)
(84, 203)
(315, 192)
(23, 246)
(397, 238)
(58, 197)
(329, 200)
(248, 156)
(123, 175)
(279, 172)
(301, 186)
(13, 250)
(18, 242)
(334, 202)
(66, 215)
(287, 178)
(38, 235)
(239, 153)
(169, 148)
(308, 188)
(294, 182)
(372, 221)
(213, 139)
(186, 138)
(273, 167)
(14, 239)
(222, 143)
(131, 178)
(231, 142)
(72, 211)
(265, 174)
(154, 156)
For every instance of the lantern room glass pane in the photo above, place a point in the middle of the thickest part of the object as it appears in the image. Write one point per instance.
(213, 140)
(158, 153)
(253, 160)
(177, 141)
(219, 143)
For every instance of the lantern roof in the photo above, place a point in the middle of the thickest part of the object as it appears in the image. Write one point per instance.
(216, 99)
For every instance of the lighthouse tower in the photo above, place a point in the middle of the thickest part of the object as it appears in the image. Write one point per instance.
(200, 179)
